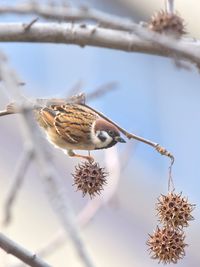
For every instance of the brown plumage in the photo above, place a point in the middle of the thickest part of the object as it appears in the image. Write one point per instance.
(68, 125)
(74, 126)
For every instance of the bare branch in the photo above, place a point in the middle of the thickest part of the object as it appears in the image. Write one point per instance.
(142, 40)
(21, 253)
(19, 176)
(70, 14)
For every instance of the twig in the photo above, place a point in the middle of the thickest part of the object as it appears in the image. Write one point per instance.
(101, 91)
(21, 253)
(69, 14)
(19, 175)
(30, 24)
(171, 186)
(169, 6)
(75, 89)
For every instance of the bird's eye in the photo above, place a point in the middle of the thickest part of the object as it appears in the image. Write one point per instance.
(111, 133)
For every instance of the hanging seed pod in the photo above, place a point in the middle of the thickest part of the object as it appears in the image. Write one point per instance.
(167, 245)
(174, 210)
(89, 178)
(167, 23)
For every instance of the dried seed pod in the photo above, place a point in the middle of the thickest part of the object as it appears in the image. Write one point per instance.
(89, 178)
(167, 245)
(168, 23)
(174, 210)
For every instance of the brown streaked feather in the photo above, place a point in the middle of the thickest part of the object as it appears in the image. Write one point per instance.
(45, 117)
(73, 122)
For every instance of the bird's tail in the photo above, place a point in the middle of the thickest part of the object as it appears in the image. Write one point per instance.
(37, 104)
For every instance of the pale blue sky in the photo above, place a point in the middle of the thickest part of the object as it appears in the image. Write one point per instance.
(154, 99)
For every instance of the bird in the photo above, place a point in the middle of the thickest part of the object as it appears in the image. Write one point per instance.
(73, 126)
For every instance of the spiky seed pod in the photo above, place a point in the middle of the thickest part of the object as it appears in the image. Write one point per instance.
(167, 245)
(89, 178)
(164, 22)
(174, 210)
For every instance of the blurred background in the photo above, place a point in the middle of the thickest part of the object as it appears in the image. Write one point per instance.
(154, 99)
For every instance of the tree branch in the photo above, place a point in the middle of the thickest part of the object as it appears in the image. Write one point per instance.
(21, 253)
(142, 41)
(70, 14)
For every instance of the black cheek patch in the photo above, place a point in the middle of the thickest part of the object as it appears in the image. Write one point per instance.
(101, 137)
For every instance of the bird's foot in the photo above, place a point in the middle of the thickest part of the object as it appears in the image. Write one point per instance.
(74, 155)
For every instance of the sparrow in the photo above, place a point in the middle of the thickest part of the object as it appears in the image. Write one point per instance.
(74, 126)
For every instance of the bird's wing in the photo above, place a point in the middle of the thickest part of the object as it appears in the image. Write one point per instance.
(72, 121)
(51, 118)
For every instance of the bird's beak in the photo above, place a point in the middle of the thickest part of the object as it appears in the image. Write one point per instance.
(120, 139)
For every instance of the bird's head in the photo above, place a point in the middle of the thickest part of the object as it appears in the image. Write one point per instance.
(105, 134)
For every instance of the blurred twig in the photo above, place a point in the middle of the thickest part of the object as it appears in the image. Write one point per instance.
(113, 165)
(21, 253)
(19, 175)
(70, 14)
(101, 90)
(75, 89)
(96, 93)
(54, 187)
(169, 6)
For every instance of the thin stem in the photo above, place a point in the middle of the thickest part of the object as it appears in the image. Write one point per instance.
(171, 186)
(169, 6)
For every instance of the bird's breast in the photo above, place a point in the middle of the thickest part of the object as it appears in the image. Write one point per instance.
(59, 142)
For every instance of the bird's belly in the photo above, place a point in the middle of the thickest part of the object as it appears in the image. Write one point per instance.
(59, 142)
